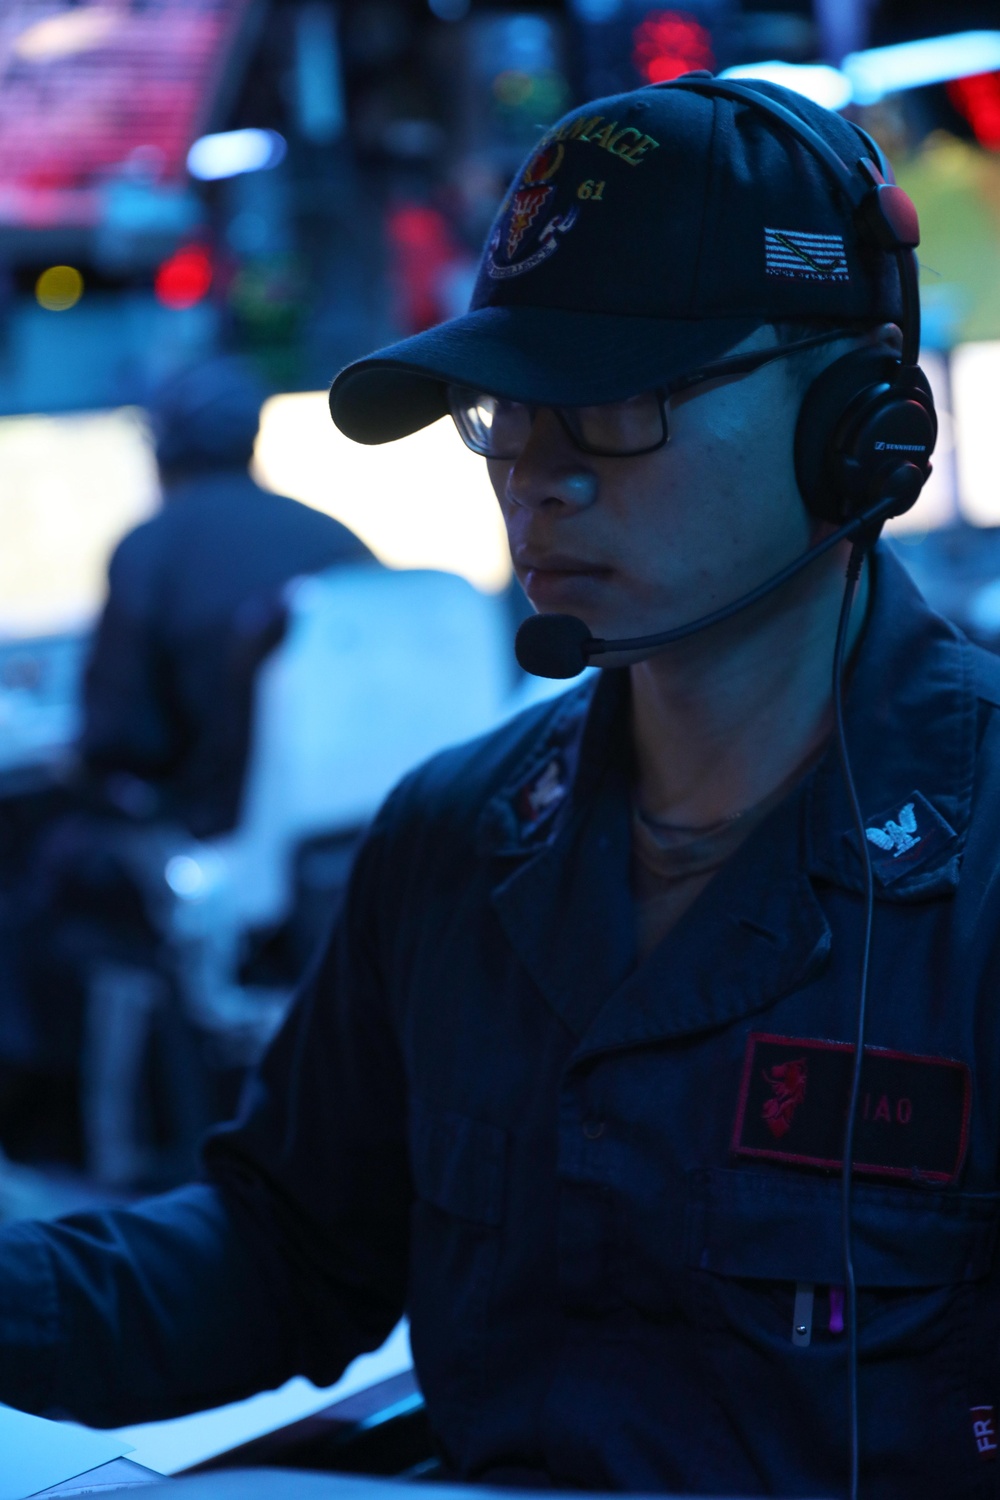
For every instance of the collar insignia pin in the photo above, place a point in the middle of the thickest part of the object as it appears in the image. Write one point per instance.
(540, 795)
(548, 789)
(897, 837)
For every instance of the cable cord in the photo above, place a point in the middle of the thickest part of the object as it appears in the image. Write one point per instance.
(847, 1174)
(866, 525)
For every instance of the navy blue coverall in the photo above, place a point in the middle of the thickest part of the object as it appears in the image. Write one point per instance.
(595, 1186)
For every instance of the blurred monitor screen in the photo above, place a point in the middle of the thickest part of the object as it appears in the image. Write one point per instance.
(938, 503)
(422, 502)
(70, 487)
(975, 379)
(89, 91)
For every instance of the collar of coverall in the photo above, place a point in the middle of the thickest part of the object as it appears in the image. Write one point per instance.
(912, 747)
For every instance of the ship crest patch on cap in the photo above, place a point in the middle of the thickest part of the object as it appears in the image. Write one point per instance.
(527, 217)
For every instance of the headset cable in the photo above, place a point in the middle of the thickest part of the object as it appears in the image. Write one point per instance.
(858, 553)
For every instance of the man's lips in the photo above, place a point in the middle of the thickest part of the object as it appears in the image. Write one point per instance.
(557, 564)
(554, 581)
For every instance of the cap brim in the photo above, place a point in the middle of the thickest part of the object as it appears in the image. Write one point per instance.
(540, 355)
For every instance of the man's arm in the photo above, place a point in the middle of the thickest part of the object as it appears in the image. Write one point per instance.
(290, 1258)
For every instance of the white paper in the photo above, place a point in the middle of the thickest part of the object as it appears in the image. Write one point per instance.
(170, 1447)
(35, 1454)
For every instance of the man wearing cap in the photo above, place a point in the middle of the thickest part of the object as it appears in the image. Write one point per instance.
(192, 594)
(569, 1085)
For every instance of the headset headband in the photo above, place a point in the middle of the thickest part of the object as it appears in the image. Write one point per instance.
(882, 212)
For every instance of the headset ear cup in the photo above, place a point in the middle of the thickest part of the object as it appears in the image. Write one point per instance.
(866, 429)
(833, 392)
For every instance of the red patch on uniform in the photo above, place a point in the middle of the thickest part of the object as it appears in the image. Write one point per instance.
(913, 1111)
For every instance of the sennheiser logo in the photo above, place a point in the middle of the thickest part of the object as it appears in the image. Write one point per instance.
(901, 447)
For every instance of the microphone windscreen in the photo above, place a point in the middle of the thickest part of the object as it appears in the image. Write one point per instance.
(552, 645)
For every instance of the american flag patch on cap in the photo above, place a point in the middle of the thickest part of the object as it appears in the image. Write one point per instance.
(809, 257)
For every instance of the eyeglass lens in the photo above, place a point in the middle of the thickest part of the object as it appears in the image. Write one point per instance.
(498, 428)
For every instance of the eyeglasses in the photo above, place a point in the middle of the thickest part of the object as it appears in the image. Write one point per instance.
(496, 427)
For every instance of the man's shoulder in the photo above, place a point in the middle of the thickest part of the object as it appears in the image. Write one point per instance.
(274, 517)
(137, 556)
(983, 679)
(984, 667)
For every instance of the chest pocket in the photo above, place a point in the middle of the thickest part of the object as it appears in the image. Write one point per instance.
(778, 1228)
(757, 1235)
(928, 1325)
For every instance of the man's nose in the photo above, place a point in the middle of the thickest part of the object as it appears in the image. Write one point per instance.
(550, 470)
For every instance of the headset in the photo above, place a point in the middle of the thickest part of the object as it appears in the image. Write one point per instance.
(867, 425)
(863, 440)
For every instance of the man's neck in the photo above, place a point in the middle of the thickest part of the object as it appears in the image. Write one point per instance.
(720, 721)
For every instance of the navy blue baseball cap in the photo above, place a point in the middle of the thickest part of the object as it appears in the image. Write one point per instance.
(646, 234)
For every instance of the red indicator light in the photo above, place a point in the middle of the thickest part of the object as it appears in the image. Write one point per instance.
(670, 42)
(422, 253)
(978, 99)
(184, 278)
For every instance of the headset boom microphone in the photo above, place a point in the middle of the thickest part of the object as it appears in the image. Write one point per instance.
(561, 645)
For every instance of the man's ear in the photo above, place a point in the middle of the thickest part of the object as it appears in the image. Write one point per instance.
(889, 334)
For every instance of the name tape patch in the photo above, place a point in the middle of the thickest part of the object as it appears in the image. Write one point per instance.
(913, 1112)
(790, 253)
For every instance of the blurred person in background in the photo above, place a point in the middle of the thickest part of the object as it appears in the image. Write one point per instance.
(194, 604)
